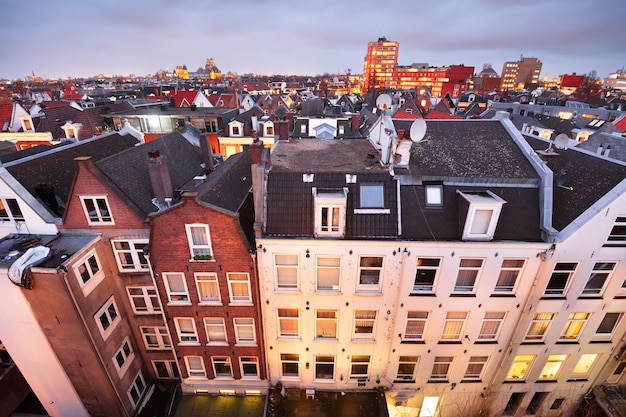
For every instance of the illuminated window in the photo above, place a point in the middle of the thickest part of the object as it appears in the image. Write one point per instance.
(551, 368)
(326, 324)
(583, 366)
(574, 326)
(519, 367)
(429, 407)
(538, 327)
(328, 273)
(286, 271)
(288, 321)
(453, 326)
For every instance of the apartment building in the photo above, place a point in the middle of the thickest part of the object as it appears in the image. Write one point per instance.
(520, 74)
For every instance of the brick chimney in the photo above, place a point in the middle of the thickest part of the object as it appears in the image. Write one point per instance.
(207, 152)
(159, 174)
(289, 118)
(281, 127)
(259, 161)
(356, 121)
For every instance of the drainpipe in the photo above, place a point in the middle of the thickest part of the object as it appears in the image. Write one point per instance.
(91, 338)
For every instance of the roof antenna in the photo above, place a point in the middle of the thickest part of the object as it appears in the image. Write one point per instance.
(562, 179)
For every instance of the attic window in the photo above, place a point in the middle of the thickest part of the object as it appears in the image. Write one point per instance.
(27, 123)
(482, 213)
(433, 195)
(330, 212)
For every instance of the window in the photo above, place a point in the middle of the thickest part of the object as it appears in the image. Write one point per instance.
(290, 364)
(483, 210)
(186, 329)
(556, 404)
(215, 330)
(607, 326)
(364, 321)
(129, 255)
(176, 287)
(235, 130)
(97, 210)
(156, 338)
(415, 325)
(330, 212)
(406, 368)
(372, 196)
(107, 318)
(433, 195)
(288, 322)
(10, 210)
(326, 324)
(222, 367)
(441, 367)
(560, 278)
(137, 389)
(325, 367)
(144, 300)
(199, 240)
(513, 404)
(475, 368)
(166, 369)
(468, 273)
(535, 402)
(89, 273)
(286, 271)
(583, 366)
(239, 287)
(269, 129)
(244, 330)
(195, 367)
(491, 326)
(328, 272)
(425, 275)
(574, 326)
(208, 288)
(249, 367)
(538, 327)
(453, 326)
(598, 277)
(551, 368)
(510, 271)
(429, 407)
(519, 367)
(123, 357)
(359, 366)
(617, 237)
(370, 270)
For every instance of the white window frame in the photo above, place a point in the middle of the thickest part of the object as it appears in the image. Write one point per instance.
(147, 296)
(160, 335)
(94, 278)
(326, 319)
(599, 271)
(441, 361)
(192, 371)
(287, 359)
(330, 212)
(433, 195)
(411, 361)
(570, 332)
(372, 196)
(453, 317)
(472, 374)
(521, 365)
(583, 366)
(324, 360)
(107, 310)
(364, 319)
(242, 323)
(283, 285)
(199, 249)
(425, 268)
(541, 321)
(215, 323)
(617, 236)
(11, 214)
(288, 318)
(139, 387)
(136, 255)
(552, 361)
(418, 319)
(186, 337)
(359, 361)
(510, 269)
(481, 203)
(126, 355)
(491, 318)
(99, 218)
(246, 361)
(234, 279)
(176, 297)
(171, 367)
(325, 266)
(367, 287)
(207, 279)
(608, 335)
(561, 269)
(226, 362)
(473, 271)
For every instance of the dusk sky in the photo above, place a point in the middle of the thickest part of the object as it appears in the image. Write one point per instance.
(84, 38)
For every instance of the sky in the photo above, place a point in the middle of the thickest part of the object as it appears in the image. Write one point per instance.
(84, 38)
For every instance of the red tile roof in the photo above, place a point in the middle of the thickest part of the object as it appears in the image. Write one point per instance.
(401, 114)
(621, 124)
(434, 114)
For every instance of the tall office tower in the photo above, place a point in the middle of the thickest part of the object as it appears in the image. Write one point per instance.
(380, 63)
(520, 74)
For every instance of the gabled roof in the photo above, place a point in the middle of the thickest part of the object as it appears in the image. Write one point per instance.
(229, 185)
(128, 170)
(603, 142)
(620, 123)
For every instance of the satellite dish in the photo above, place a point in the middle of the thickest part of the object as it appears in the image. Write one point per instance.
(561, 141)
(418, 130)
(383, 101)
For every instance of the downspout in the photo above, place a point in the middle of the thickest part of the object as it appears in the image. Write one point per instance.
(91, 338)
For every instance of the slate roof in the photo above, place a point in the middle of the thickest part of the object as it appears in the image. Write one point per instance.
(290, 202)
(57, 167)
(590, 177)
(617, 145)
(229, 185)
(128, 170)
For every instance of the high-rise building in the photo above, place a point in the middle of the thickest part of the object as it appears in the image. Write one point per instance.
(380, 63)
(520, 74)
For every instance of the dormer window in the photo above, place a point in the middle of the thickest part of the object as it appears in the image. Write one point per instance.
(330, 212)
(27, 123)
(372, 199)
(433, 195)
(269, 129)
(481, 210)
(72, 130)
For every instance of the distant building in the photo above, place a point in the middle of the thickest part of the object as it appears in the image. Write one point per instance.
(520, 74)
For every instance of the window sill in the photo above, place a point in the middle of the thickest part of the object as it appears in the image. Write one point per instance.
(246, 344)
(202, 260)
(179, 303)
(188, 343)
(210, 303)
(372, 211)
(404, 381)
(486, 342)
(324, 381)
(515, 381)
(224, 378)
(326, 339)
(240, 303)
(328, 292)
(366, 293)
(554, 297)
(566, 342)
(288, 290)
(288, 338)
(462, 294)
(533, 342)
(422, 294)
(413, 342)
(597, 341)
(449, 342)
(250, 378)
(217, 344)
(503, 295)
(363, 340)
(438, 381)
(590, 297)
(543, 381)
(131, 272)
(469, 381)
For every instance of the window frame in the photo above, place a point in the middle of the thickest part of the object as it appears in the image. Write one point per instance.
(367, 287)
(11, 208)
(473, 272)
(557, 291)
(433, 195)
(173, 296)
(246, 361)
(526, 363)
(603, 274)
(319, 362)
(95, 278)
(290, 360)
(225, 362)
(284, 285)
(112, 322)
(483, 335)
(445, 362)
(572, 320)
(215, 323)
(196, 250)
(356, 335)
(617, 235)
(411, 361)
(330, 212)
(323, 323)
(540, 322)
(577, 373)
(607, 336)
(160, 335)
(505, 270)
(358, 362)
(473, 375)
(149, 297)
(182, 334)
(234, 298)
(195, 373)
(419, 336)
(136, 255)
(556, 361)
(335, 269)
(282, 333)
(139, 386)
(207, 278)
(240, 323)
(425, 272)
(100, 219)
(365, 196)
(127, 354)
(446, 334)
(171, 367)
(484, 201)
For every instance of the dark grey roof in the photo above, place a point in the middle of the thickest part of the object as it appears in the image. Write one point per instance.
(128, 170)
(229, 185)
(616, 144)
(589, 176)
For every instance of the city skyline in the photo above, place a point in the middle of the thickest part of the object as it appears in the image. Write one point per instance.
(81, 39)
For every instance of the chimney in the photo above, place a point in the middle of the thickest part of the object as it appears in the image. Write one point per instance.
(259, 160)
(281, 127)
(160, 178)
(356, 121)
(207, 153)
(255, 123)
(607, 150)
(289, 118)
(600, 149)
